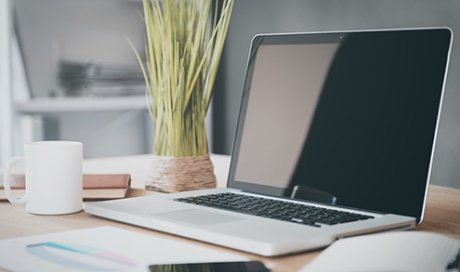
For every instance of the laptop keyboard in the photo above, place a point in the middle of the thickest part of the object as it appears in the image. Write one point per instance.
(275, 209)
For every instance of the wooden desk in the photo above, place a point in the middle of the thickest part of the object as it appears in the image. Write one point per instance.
(442, 211)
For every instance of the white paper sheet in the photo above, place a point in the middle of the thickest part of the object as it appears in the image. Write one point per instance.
(100, 249)
(408, 251)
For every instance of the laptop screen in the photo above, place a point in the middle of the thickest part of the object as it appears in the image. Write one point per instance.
(347, 119)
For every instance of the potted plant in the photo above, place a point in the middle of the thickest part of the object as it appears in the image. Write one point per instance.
(184, 41)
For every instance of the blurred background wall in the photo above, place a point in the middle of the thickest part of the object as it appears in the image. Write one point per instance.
(80, 75)
(258, 16)
(96, 31)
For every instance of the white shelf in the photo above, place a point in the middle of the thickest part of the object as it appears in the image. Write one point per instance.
(80, 104)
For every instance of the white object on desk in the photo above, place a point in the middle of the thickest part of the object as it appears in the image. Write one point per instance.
(411, 251)
(53, 177)
(101, 249)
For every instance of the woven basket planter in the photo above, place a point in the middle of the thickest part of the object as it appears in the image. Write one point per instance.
(176, 174)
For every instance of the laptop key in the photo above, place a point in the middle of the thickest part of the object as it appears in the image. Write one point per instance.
(275, 209)
(304, 222)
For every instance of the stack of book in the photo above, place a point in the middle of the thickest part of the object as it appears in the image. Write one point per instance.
(95, 186)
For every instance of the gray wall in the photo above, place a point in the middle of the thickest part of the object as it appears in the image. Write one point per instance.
(258, 16)
(103, 134)
(83, 31)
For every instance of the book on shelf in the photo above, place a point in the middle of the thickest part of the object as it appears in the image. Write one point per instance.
(95, 186)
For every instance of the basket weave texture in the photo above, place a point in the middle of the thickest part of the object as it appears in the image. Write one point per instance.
(176, 174)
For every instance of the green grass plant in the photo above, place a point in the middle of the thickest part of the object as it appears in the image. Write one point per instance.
(184, 42)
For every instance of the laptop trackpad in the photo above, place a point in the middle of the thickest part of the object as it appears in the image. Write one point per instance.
(197, 217)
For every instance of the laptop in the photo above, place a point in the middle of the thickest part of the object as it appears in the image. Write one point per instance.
(335, 138)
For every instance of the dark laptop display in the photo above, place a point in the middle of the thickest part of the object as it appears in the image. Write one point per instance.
(347, 119)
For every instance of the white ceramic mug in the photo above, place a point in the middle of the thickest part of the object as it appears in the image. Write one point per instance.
(53, 174)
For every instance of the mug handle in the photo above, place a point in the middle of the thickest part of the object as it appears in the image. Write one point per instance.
(7, 184)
